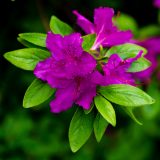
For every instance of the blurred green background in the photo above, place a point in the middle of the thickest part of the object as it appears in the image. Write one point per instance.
(37, 134)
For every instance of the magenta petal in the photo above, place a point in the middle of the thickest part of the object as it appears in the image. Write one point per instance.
(156, 3)
(103, 19)
(86, 98)
(115, 71)
(117, 38)
(84, 23)
(72, 45)
(54, 43)
(64, 99)
(42, 69)
(87, 92)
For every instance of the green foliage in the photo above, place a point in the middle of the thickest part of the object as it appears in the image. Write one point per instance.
(59, 27)
(148, 31)
(105, 109)
(80, 129)
(126, 22)
(37, 93)
(38, 39)
(126, 95)
(129, 111)
(88, 42)
(127, 50)
(139, 65)
(100, 125)
(26, 58)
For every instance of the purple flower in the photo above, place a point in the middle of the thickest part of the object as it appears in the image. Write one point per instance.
(116, 70)
(156, 3)
(153, 47)
(107, 34)
(70, 70)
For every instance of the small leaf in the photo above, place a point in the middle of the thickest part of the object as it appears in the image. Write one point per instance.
(80, 129)
(38, 39)
(100, 125)
(139, 65)
(127, 50)
(126, 95)
(88, 41)
(129, 111)
(59, 27)
(105, 109)
(37, 93)
(26, 58)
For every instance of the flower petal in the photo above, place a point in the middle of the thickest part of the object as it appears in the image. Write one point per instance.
(64, 99)
(87, 94)
(84, 23)
(103, 19)
(116, 71)
(116, 38)
(54, 43)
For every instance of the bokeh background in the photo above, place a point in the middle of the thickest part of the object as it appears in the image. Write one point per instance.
(37, 134)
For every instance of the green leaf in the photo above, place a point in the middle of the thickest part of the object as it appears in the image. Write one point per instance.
(88, 41)
(105, 108)
(148, 31)
(126, 95)
(37, 93)
(125, 51)
(139, 65)
(80, 129)
(38, 39)
(28, 44)
(59, 27)
(26, 58)
(129, 111)
(126, 22)
(100, 125)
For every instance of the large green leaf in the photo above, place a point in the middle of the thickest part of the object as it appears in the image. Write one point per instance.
(127, 50)
(126, 95)
(80, 129)
(59, 27)
(139, 65)
(38, 39)
(88, 41)
(129, 111)
(26, 58)
(100, 125)
(105, 109)
(37, 93)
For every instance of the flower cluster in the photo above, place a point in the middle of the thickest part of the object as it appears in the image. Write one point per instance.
(90, 71)
(73, 71)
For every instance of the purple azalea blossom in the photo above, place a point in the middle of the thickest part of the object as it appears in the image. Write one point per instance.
(156, 3)
(107, 34)
(115, 70)
(70, 70)
(153, 47)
